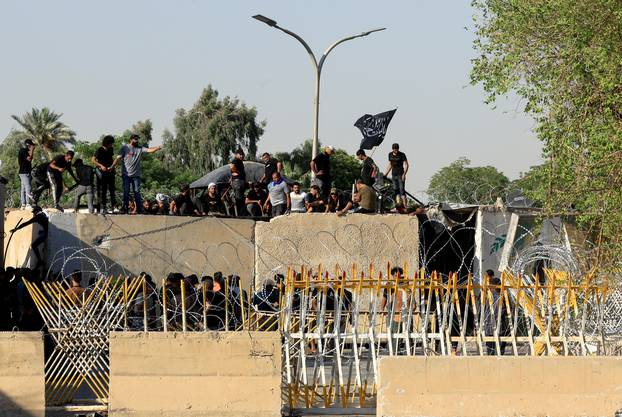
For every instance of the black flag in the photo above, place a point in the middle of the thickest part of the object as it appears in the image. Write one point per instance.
(374, 128)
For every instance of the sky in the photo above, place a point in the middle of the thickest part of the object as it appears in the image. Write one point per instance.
(106, 65)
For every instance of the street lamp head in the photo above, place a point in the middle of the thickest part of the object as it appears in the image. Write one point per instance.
(372, 31)
(265, 20)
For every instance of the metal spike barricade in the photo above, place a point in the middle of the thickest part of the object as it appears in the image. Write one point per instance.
(79, 324)
(336, 328)
(335, 325)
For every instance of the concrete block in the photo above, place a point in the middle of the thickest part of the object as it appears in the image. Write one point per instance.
(122, 244)
(192, 374)
(327, 239)
(22, 385)
(499, 386)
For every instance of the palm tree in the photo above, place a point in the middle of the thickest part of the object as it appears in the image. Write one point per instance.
(45, 128)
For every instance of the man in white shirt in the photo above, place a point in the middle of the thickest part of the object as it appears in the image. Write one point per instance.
(297, 199)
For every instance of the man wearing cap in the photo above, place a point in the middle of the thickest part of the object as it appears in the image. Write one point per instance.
(131, 155)
(24, 159)
(238, 181)
(321, 168)
(398, 165)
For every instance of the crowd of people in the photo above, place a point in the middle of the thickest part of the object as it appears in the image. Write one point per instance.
(272, 195)
(221, 296)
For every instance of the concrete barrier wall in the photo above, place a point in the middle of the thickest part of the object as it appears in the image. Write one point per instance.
(195, 374)
(131, 244)
(312, 239)
(17, 245)
(158, 245)
(506, 386)
(22, 387)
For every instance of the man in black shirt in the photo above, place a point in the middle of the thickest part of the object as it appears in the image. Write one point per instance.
(321, 168)
(59, 164)
(369, 169)
(398, 165)
(182, 203)
(314, 202)
(210, 202)
(255, 199)
(271, 165)
(238, 181)
(24, 159)
(105, 162)
(40, 181)
(85, 184)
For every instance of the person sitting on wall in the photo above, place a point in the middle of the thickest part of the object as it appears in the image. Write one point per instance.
(367, 198)
(314, 202)
(336, 202)
(255, 200)
(350, 205)
(161, 206)
(210, 203)
(182, 204)
(41, 218)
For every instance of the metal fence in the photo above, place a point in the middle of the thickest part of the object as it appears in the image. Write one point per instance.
(335, 324)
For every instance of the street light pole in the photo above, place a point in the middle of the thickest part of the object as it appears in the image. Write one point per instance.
(317, 67)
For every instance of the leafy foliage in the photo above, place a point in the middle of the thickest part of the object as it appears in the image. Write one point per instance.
(564, 59)
(207, 134)
(345, 168)
(460, 183)
(45, 128)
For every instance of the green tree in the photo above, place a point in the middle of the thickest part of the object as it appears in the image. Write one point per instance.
(44, 127)
(564, 59)
(207, 134)
(460, 183)
(345, 168)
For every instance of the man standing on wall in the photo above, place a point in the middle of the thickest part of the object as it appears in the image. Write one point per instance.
(238, 181)
(24, 159)
(271, 165)
(59, 164)
(369, 170)
(105, 162)
(278, 196)
(321, 168)
(398, 165)
(85, 184)
(131, 156)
